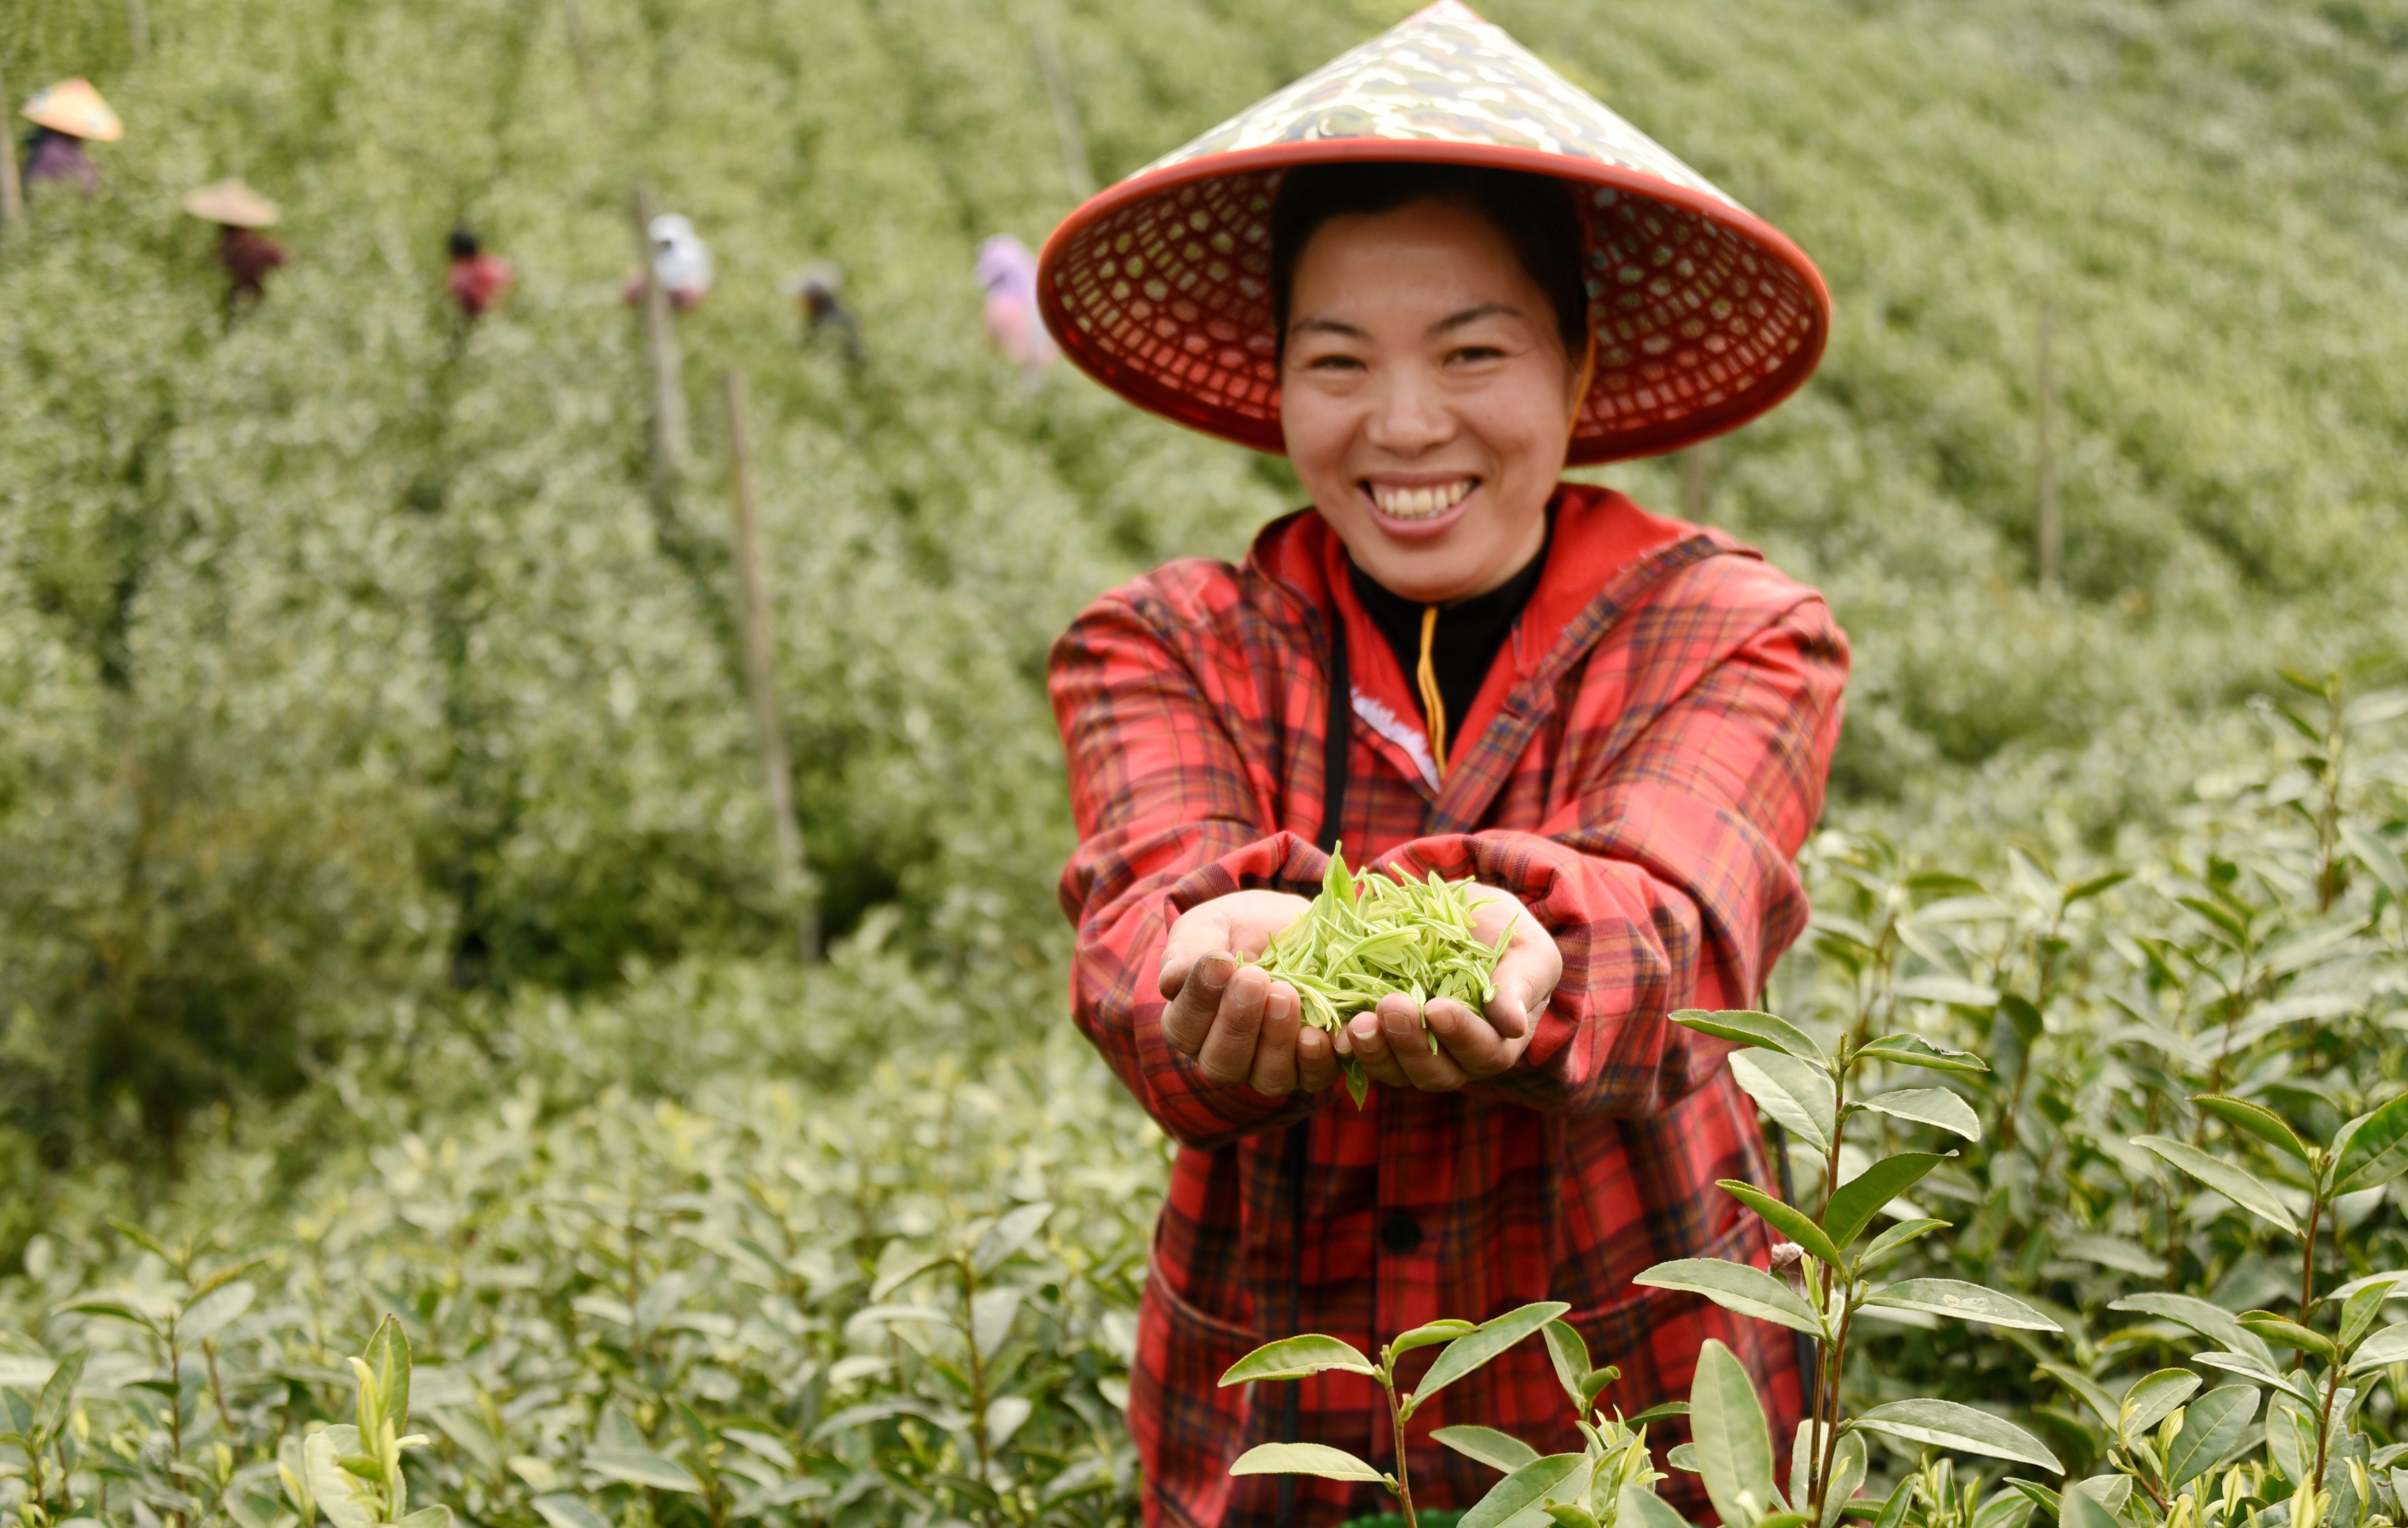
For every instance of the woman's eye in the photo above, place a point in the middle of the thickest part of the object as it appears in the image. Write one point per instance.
(1477, 353)
(1333, 363)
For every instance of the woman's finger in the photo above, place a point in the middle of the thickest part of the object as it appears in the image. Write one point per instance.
(1373, 1050)
(1227, 1054)
(1199, 931)
(1187, 1018)
(1316, 1060)
(1466, 1039)
(1432, 1071)
(1274, 1070)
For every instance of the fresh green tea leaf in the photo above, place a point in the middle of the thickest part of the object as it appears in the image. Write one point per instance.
(1293, 1358)
(1305, 1459)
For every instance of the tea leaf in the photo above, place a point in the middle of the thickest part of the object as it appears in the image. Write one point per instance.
(1293, 1358)
(1304, 1459)
(1854, 1203)
(1946, 1424)
(2249, 1193)
(1466, 1353)
(1964, 1302)
(1930, 1106)
(1787, 1219)
(1749, 1027)
(1736, 1286)
(2211, 1427)
(1734, 1446)
(1529, 1484)
(1797, 1093)
(1496, 1449)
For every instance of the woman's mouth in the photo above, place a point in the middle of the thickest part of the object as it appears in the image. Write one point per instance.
(1416, 510)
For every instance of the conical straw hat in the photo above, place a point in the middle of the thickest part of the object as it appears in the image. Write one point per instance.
(74, 108)
(1705, 314)
(232, 203)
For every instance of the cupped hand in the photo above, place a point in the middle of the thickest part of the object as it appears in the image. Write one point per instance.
(1240, 1025)
(1471, 1046)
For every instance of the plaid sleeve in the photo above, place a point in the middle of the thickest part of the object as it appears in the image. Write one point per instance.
(1168, 816)
(1669, 881)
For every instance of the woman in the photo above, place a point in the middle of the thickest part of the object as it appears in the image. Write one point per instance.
(242, 216)
(66, 116)
(1432, 274)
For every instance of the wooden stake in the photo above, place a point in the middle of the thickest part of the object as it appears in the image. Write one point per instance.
(584, 55)
(1075, 167)
(2048, 518)
(12, 195)
(1697, 483)
(760, 678)
(137, 28)
(667, 369)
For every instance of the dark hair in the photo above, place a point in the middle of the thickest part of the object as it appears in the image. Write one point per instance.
(1534, 212)
(463, 244)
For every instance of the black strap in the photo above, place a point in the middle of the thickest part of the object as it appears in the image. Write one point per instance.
(1298, 1153)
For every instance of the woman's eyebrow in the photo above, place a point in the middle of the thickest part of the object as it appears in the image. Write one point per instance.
(1328, 326)
(1470, 315)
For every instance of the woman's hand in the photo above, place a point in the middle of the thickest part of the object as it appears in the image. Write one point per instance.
(1239, 1024)
(1471, 1046)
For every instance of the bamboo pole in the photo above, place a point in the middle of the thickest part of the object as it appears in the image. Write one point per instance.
(2048, 518)
(1697, 483)
(667, 371)
(760, 676)
(12, 195)
(584, 56)
(1075, 165)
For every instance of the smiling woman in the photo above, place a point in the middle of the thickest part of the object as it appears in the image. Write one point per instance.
(1432, 273)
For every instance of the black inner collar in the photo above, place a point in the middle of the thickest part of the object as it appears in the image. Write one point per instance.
(1471, 633)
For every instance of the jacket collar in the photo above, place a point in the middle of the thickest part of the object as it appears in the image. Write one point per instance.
(1600, 534)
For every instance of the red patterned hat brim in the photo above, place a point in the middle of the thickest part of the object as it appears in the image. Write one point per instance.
(1705, 316)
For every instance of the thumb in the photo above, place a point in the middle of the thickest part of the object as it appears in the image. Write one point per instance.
(1199, 932)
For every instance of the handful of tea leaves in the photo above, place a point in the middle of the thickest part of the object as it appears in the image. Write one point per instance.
(1366, 936)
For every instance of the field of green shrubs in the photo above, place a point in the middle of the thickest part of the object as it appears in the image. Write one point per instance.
(387, 927)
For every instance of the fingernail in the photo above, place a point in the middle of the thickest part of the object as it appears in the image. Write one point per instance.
(1282, 1005)
(1366, 1028)
(1216, 970)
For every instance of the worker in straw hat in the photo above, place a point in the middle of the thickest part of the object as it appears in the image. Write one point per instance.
(65, 117)
(1432, 274)
(244, 250)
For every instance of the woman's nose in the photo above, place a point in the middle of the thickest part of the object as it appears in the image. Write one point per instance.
(1408, 417)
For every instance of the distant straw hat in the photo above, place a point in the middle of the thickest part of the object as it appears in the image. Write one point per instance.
(74, 108)
(1705, 316)
(231, 203)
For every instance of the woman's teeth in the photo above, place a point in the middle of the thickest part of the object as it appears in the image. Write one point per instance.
(1421, 503)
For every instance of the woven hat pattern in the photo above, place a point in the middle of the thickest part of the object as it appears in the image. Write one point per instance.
(1704, 316)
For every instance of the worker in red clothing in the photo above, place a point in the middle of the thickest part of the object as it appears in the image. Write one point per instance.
(1433, 274)
(242, 216)
(477, 280)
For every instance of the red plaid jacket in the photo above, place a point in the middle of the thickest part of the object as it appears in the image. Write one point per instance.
(1647, 755)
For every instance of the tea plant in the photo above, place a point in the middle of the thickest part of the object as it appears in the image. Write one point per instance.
(1807, 1090)
(1367, 936)
(1608, 1482)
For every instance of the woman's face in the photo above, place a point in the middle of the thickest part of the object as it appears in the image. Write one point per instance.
(1426, 398)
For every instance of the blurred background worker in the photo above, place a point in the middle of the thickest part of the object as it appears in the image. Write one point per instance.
(477, 280)
(1009, 272)
(815, 290)
(680, 263)
(65, 117)
(246, 253)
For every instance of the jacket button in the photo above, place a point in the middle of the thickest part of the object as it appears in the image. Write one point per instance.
(1400, 1233)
